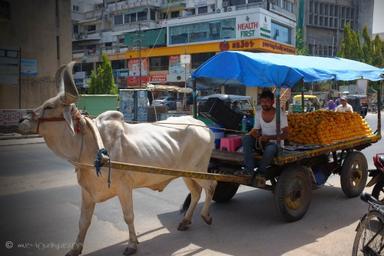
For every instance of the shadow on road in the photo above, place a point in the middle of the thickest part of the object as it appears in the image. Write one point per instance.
(250, 225)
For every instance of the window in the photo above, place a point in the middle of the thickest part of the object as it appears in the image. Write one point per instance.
(142, 16)
(200, 58)
(280, 33)
(203, 9)
(126, 18)
(91, 28)
(331, 10)
(158, 63)
(75, 29)
(153, 14)
(133, 17)
(108, 44)
(203, 31)
(118, 19)
(75, 8)
(175, 14)
(5, 10)
(236, 2)
(311, 6)
(310, 19)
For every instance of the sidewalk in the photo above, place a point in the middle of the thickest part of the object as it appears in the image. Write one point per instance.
(10, 139)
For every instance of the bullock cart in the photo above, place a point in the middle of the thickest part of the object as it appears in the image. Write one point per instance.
(294, 171)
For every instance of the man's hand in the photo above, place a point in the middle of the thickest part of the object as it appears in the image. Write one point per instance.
(264, 139)
(254, 133)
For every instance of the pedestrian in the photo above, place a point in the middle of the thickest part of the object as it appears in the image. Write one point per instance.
(344, 106)
(331, 105)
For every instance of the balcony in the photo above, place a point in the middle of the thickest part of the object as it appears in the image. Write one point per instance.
(174, 3)
(87, 36)
(94, 14)
(120, 6)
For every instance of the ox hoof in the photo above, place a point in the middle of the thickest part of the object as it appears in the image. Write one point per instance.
(184, 225)
(207, 219)
(130, 250)
(73, 252)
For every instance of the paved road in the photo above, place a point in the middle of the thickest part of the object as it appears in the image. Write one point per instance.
(40, 204)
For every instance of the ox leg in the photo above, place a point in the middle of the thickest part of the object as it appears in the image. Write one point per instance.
(209, 189)
(87, 208)
(195, 190)
(126, 202)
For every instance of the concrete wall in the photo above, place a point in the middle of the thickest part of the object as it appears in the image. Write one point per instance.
(33, 26)
(366, 15)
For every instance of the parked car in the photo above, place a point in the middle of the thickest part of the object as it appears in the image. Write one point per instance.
(167, 101)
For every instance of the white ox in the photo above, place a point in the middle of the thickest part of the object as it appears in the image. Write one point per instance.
(163, 144)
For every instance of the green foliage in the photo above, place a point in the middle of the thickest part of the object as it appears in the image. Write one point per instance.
(377, 52)
(300, 46)
(360, 47)
(350, 45)
(101, 81)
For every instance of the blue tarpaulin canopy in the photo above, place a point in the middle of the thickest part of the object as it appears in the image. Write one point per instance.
(270, 69)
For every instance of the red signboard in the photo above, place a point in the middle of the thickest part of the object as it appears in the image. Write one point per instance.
(135, 81)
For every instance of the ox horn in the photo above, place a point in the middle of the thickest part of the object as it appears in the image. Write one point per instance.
(58, 78)
(70, 91)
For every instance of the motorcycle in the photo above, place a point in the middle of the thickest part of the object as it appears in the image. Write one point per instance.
(377, 177)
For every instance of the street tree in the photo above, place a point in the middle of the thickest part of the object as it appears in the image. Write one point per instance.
(301, 49)
(101, 80)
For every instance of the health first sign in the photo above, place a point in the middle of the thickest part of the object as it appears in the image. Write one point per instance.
(252, 25)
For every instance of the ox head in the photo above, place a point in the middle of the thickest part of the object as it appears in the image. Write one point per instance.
(55, 108)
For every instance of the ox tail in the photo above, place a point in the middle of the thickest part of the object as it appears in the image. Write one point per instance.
(186, 204)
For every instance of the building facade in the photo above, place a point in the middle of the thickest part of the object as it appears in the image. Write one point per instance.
(164, 41)
(324, 21)
(35, 40)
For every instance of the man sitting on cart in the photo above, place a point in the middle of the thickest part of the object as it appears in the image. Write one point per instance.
(264, 132)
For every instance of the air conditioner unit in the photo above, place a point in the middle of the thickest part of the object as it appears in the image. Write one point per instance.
(218, 11)
(229, 9)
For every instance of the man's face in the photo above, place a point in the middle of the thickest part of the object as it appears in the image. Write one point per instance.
(266, 103)
(343, 102)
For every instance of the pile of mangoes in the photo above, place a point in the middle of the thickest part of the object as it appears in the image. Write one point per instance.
(326, 127)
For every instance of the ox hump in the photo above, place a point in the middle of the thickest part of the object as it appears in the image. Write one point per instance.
(111, 116)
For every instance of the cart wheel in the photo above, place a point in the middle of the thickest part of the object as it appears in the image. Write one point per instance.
(354, 174)
(378, 189)
(293, 192)
(225, 191)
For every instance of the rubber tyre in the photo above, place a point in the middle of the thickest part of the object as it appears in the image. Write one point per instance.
(373, 222)
(354, 174)
(225, 191)
(293, 193)
(378, 189)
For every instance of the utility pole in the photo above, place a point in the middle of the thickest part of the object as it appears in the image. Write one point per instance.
(139, 55)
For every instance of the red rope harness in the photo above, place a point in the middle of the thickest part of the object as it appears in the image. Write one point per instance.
(76, 115)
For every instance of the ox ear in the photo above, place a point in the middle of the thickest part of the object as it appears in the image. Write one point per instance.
(70, 91)
(68, 118)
